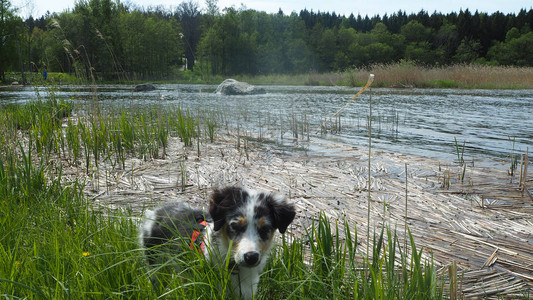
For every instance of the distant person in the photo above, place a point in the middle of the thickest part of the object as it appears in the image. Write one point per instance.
(45, 74)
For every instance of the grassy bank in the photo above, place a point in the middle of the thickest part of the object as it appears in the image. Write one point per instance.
(406, 75)
(56, 245)
(399, 75)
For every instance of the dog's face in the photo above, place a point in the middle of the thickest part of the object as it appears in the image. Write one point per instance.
(249, 219)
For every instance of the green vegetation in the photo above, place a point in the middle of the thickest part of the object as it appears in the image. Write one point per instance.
(55, 244)
(54, 247)
(99, 138)
(105, 40)
(336, 270)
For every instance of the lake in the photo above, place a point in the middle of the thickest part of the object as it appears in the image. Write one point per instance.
(492, 124)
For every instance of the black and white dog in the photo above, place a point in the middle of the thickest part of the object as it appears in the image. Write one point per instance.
(244, 219)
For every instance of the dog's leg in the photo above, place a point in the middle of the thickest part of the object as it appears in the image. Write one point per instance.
(245, 282)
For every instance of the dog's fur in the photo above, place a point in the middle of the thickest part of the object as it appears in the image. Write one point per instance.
(243, 218)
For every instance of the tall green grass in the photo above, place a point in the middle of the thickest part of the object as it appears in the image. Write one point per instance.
(42, 119)
(54, 245)
(186, 126)
(326, 263)
(97, 138)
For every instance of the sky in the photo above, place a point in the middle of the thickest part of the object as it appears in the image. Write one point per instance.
(37, 8)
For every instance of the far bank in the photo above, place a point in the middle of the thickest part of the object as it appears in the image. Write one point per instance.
(398, 75)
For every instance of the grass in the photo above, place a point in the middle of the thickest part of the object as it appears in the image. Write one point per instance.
(186, 126)
(38, 79)
(332, 268)
(56, 245)
(513, 157)
(53, 246)
(406, 74)
(98, 137)
(401, 74)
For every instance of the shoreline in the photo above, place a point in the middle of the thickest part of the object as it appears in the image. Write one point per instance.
(397, 75)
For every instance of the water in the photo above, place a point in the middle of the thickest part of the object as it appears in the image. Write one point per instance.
(493, 124)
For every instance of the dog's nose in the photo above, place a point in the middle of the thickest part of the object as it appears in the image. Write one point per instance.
(251, 258)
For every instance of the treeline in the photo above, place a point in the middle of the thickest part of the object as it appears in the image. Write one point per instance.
(104, 39)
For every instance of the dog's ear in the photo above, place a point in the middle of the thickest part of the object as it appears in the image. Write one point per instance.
(282, 211)
(223, 201)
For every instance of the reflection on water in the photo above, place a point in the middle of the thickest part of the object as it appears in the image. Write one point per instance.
(491, 123)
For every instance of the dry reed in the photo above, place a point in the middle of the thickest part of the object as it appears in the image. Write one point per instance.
(461, 76)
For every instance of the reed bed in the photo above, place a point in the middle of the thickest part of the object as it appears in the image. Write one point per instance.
(54, 132)
(406, 74)
(458, 223)
(455, 76)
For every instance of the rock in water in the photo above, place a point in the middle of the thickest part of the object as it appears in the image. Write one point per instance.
(234, 87)
(144, 87)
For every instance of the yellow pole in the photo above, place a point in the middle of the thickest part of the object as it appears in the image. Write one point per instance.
(368, 83)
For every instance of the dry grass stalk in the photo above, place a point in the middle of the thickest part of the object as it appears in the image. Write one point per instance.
(523, 175)
(452, 275)
(492, 259)
(367, 85)
(369, 187)
(521, 172)
(405, 222)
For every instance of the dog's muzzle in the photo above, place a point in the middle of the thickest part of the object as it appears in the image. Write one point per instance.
(251, 259)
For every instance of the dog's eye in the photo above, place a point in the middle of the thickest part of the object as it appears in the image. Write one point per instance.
(264, 232)
(236, 226)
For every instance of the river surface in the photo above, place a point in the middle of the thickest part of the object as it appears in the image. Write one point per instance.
(491, 124)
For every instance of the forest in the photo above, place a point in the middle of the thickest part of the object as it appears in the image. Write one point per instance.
(105, 40)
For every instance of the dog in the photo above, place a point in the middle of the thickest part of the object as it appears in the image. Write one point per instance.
(240, 222)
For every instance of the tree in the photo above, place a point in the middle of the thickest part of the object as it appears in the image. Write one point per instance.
(110, 38)
(516, 50)
(464, 25)
(395, 42)
(421, 53)
(188, 14)
(327, 49)
(208, 18)
(512, 34)
(379, 53)
(468, 51)
(446, 41)
(36, 46)
(210, 50)
(8, 23)
(415, 32)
